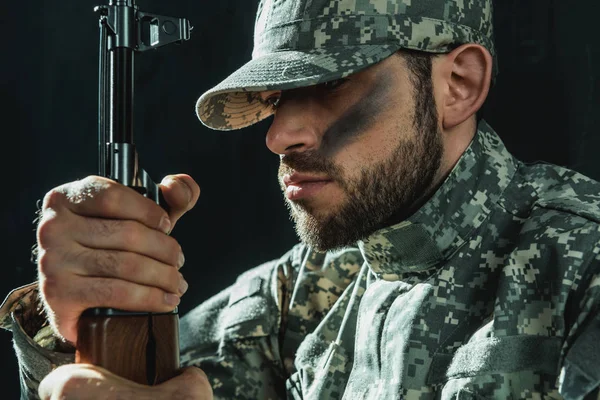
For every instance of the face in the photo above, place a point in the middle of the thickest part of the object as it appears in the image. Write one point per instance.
(357, 154)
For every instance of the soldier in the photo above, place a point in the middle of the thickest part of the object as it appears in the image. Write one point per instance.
(432, 263)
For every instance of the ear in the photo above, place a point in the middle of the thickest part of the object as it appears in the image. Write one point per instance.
(465, 75)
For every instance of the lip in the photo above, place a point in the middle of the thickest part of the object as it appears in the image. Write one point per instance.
(301, 186)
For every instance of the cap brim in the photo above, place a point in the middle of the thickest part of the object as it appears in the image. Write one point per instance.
(233, 103)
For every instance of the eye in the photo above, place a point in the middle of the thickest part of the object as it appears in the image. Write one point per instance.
(273, 100)
(334, 84)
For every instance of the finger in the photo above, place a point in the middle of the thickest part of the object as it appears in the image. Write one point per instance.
(127, 235)
(191, 383)
(181, 192)
(69, 300)
(131, 267)
(101, 197)
(120, 294)
(84, 381)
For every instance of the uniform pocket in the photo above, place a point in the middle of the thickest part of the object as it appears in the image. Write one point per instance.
(505, 355)
(251, 312)
(498, 355)
(497, 367)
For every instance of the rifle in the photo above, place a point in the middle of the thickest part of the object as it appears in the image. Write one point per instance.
(139, 346)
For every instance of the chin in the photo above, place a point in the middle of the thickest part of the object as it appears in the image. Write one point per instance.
(321, 231)
(313, 210)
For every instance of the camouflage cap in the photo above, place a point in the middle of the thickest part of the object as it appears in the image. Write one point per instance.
(299, 43)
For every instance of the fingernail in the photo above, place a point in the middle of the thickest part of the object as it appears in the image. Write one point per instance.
(172, 299)
(183, 285)
(188, 191)
(181, 260)
(165, 224)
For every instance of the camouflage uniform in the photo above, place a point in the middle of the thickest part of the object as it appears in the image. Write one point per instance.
(491, 290)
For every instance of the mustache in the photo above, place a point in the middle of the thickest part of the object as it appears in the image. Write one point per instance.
(308, 162)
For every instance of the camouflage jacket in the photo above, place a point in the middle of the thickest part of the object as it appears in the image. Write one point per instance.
(490, 290)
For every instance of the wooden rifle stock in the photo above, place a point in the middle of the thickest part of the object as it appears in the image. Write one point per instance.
(143, 348)
(139, 346)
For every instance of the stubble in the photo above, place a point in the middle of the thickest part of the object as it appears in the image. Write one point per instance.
(385, 193)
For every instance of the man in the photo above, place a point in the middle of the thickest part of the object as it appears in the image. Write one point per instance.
(432, 265)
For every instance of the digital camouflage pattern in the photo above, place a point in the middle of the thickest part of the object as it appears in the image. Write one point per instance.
(37, 349)
(491, 290)
(299, 43)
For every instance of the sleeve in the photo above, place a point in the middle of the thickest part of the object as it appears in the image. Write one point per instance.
(235, 337)
(580, 373)
(38, 350)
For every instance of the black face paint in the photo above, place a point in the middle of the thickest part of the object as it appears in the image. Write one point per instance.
(357, 119)
(387, 190)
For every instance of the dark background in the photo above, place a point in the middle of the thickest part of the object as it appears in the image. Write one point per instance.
(545, 106)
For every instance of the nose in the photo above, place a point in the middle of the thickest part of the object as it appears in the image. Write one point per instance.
(294, 126)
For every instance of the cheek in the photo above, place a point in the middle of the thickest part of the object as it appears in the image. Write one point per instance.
(356, 158)
(375, 146)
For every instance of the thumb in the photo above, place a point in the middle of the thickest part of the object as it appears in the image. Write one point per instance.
(181, 193)
(191, 383)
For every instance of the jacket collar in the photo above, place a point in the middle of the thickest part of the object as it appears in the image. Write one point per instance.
(450, 217)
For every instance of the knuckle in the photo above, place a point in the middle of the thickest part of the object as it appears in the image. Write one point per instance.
(131, 267)
(92, 185)
(48, 260)
(154, 216)
(197, 375)
(198, 383)
(54, 198)
(193, 385)
(49, 288)
(72, 386)
(45, 261)
(108, 200)
(81, 191)
(48, 229)
(130, 234)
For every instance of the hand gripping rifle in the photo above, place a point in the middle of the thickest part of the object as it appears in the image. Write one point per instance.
(140, 346)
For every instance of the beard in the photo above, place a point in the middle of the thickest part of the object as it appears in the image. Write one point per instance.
(385, 193)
